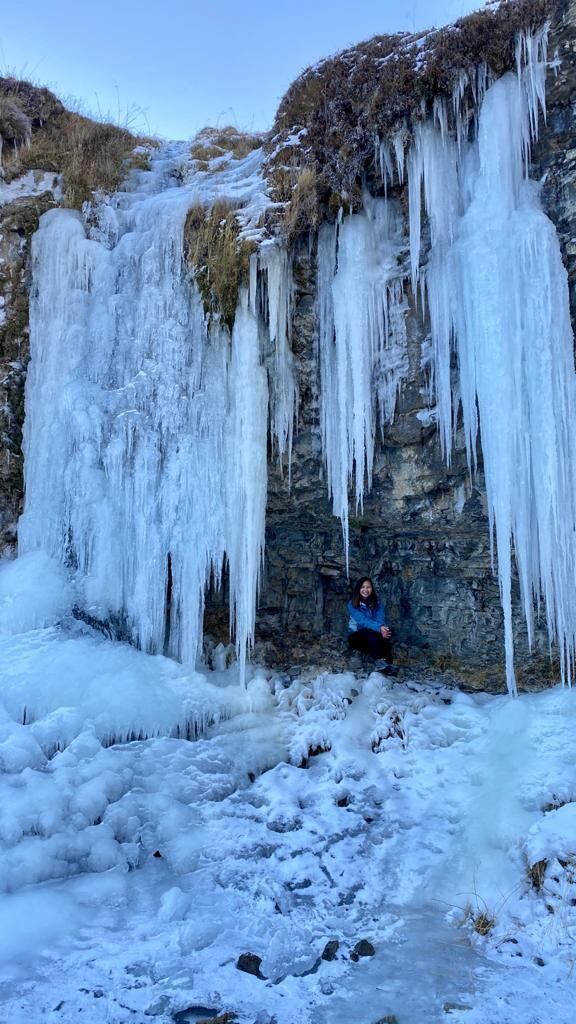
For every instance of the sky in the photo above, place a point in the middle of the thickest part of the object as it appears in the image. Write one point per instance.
(170, 67)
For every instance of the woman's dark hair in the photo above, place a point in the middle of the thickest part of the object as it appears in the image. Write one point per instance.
(371, 601)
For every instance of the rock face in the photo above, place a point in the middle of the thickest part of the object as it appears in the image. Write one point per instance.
(18, 221)
(423, 533)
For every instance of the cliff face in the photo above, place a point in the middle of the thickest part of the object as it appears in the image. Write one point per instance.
(423, 533)
(19, 218)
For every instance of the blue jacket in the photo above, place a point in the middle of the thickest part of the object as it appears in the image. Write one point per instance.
(364, 617)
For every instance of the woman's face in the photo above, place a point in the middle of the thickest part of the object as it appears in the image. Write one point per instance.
(366, 589)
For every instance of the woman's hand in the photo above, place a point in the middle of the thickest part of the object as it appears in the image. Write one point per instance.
(385, 632)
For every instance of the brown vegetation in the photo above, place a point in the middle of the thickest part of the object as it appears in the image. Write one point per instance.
(219, 257)
(15, 125)
(301, 211)
(536, 873)
(212, 143)
(483, 922)
(89, 154)
(329, 118)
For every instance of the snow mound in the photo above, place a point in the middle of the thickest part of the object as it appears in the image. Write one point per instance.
(34, 592)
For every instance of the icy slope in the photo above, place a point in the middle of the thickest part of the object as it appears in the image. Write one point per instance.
(330, 809)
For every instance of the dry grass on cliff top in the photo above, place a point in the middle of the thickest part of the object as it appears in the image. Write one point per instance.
(328, 119)
(90, 155)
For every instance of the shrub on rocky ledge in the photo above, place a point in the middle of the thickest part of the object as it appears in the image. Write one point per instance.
(212, 143)
(220, 259)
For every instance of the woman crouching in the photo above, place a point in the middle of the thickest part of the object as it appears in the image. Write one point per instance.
(367, 629)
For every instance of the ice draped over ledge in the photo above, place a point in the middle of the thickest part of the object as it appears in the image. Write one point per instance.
(497, 295)
(501, 339)
(146, 429)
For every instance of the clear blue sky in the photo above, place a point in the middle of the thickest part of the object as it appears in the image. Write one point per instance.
(184, 64)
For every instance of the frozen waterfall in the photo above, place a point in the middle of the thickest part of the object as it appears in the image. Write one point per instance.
(146, 431)
(147, 428)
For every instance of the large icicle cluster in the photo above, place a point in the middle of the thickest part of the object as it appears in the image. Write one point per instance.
(146, 431)
(362, 343)
(498, 298)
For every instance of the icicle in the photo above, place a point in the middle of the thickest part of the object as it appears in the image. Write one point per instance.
(386, 166)
(362, 344)
(531, 50)
(246, 471)
(253, 283)
(275, 264)
(440, 115)
(415, 172)
(436, 155)
(460, 112)
(398, 144)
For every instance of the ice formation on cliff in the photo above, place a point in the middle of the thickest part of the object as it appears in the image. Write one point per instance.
(146, 430)
(497, 297)
(362, 343)
(502, 348)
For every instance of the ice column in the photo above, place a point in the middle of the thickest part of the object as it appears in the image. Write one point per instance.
(362, 343)
(247, 475)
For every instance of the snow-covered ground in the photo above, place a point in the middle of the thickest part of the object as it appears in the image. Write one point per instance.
(156, 824)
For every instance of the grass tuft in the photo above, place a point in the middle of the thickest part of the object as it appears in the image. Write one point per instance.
(211, 143)
(537, 873)
(483, 922)
(220, 259)
(302, 213)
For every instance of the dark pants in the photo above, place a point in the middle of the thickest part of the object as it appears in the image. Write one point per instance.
(370, 642)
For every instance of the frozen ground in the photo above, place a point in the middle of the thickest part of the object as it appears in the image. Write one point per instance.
(137, 865)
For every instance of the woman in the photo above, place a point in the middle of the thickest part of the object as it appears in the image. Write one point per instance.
(367, 629)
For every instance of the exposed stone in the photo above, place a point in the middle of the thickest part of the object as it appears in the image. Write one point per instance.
(210, 1016)
(250, 964)
(330, 949)
(362, 948)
